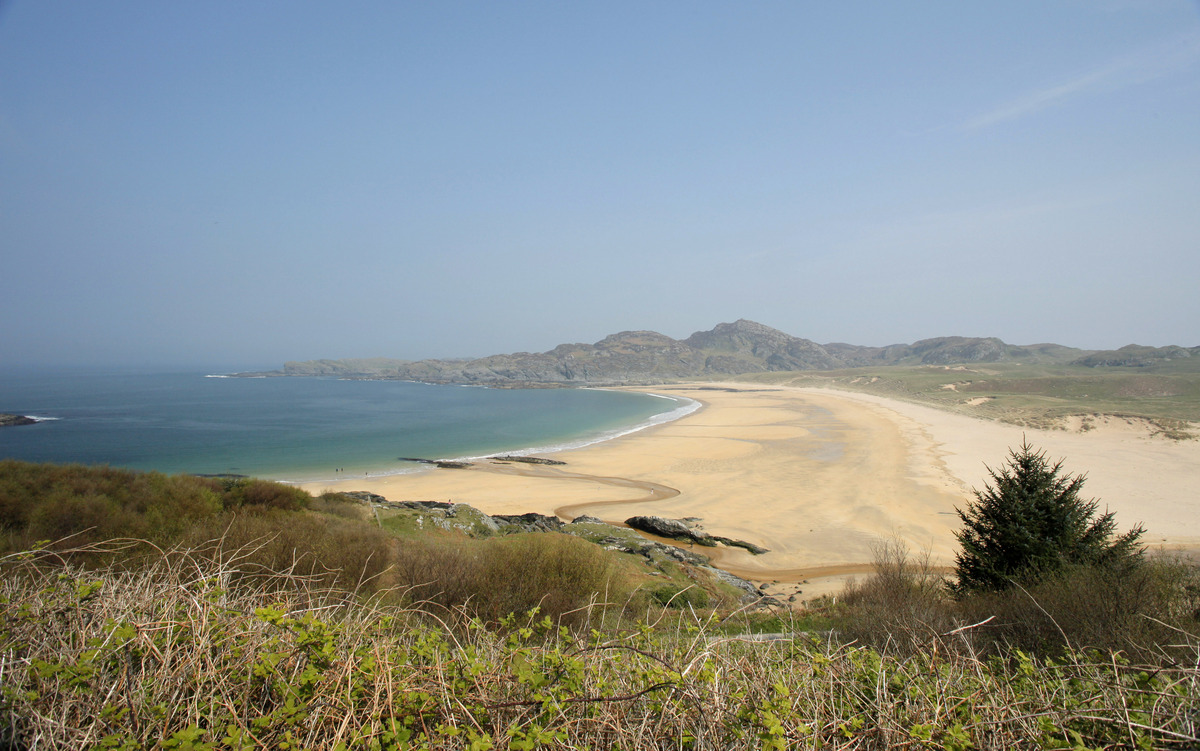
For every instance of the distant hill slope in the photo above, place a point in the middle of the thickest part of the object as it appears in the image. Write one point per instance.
(642, 357)
(1137, 356)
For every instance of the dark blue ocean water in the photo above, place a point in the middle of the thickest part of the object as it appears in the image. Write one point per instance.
(299, 428)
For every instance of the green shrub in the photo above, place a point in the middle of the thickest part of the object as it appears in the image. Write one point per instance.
(327, 551)
(672, 596)
(336, 504)
(1136, 610)
(264, 494)
(87, 504)
(1030, 523)
(558, 574)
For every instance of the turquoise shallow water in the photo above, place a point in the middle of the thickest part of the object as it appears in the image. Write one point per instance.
(300, 428)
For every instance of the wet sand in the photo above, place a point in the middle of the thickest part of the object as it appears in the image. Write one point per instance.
(818, 477)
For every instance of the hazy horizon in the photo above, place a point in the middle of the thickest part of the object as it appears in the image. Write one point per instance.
(218, 367)
(236, 186)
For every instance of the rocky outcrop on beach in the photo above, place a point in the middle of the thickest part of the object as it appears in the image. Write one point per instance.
(439, 463)
(647, 357)
(530, 460)
(685, 529)
(673, 529)
(7, 421)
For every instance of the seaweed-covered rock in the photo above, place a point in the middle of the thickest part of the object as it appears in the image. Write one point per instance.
(530, 460)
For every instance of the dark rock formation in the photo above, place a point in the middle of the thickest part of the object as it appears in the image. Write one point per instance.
(8, 421)
(365, 497)
(755, 549)
(415, 505)
(750, 592)
(530, 460)
(530, 522)
(680, 529)
(672, 529)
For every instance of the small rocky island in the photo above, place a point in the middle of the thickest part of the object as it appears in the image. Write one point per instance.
(11, 420)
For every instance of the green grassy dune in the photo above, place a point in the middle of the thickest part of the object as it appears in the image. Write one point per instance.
(1167, 396)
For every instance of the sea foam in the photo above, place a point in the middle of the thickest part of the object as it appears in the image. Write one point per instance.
(686, 407)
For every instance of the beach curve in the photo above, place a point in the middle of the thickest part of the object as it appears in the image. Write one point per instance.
(819, 477)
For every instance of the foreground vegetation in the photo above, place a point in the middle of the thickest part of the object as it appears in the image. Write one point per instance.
(171, 656)
(248, 615)
(334, 540)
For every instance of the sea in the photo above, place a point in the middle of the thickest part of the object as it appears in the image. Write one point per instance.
(300, 429)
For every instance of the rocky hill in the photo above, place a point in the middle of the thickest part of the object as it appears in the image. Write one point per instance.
(643, 357)
(1138, 356)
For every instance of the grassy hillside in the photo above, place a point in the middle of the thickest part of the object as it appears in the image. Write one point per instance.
(339, 541)
(168, 656)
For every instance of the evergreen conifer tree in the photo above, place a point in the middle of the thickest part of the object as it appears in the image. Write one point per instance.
(1030, 522)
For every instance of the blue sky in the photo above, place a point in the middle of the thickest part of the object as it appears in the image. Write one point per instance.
(240, 184)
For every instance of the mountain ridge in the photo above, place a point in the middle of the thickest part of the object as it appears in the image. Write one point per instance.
(728, 349)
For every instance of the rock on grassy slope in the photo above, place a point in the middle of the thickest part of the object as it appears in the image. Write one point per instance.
(675, 567)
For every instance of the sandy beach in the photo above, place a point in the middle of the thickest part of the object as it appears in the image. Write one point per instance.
(818, 477)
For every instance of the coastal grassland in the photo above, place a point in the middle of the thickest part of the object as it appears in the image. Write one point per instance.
(1166, 396)
(170, 656)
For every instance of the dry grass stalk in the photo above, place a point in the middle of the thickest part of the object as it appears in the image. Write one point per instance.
(190, 652)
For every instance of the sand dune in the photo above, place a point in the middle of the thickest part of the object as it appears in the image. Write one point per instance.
(818, 477)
